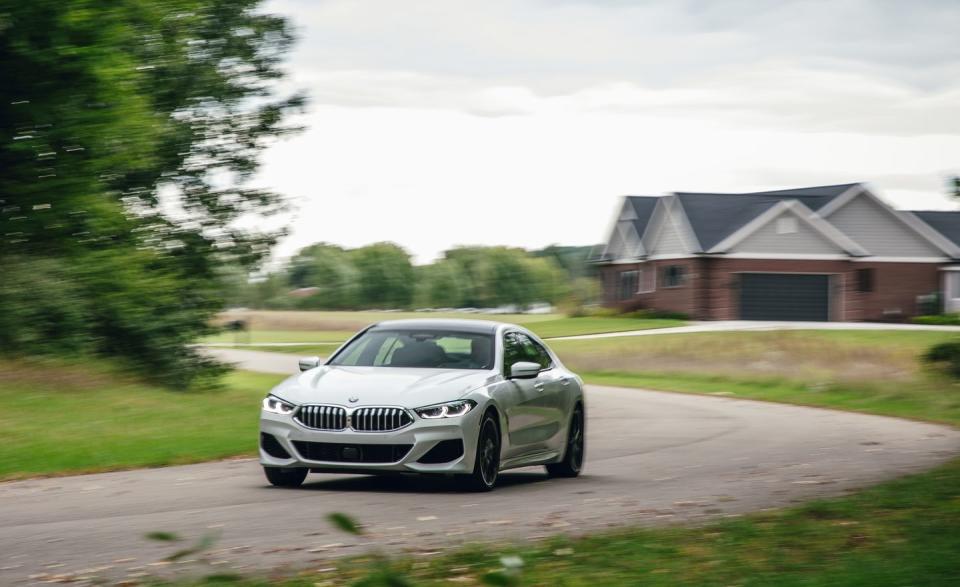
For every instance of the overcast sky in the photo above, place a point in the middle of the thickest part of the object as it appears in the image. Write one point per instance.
(441, 122)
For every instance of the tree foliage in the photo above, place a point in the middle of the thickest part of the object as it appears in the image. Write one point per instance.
(329, 269)
(381, 276)
(129, 132)
(385, 274)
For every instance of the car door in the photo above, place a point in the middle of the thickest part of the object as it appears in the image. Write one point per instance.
(553, 387)
(529, 404)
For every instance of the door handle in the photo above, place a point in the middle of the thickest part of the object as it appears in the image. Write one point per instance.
(565, 382)
(538, 386)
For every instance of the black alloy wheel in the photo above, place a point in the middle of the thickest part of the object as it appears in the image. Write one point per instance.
(279, 477)
(572, 461)
(486, 467)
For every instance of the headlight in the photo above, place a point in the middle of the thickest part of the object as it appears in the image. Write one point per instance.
(447, 410)
(277, 406)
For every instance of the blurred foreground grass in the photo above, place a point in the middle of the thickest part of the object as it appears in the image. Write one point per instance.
(71, 418)
(904, 532)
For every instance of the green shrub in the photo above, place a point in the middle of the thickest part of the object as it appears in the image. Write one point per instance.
(655, 314)
(946, 355)
(938, 319)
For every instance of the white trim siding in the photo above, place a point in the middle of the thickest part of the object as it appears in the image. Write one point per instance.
(951, 289)
(907, 219)
(901, 259)
(804, 214)
(785, 256)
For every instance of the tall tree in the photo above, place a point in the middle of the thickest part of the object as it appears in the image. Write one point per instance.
(386, 276)
(329, 269)
(129, 132)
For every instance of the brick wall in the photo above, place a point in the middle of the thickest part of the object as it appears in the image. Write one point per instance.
(710, 291)
(682, 298)
(895, 289)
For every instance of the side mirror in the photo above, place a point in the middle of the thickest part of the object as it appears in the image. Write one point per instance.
(308, 363)
(524, 370)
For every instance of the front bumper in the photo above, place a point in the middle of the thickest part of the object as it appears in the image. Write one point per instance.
(422, 434)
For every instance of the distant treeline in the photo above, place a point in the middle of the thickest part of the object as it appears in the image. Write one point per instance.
(381, 275)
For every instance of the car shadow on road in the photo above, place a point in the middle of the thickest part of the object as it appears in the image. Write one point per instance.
(414, 483)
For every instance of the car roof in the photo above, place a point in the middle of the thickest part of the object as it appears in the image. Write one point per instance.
(457, 325)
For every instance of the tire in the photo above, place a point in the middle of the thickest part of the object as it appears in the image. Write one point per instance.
(486, 465)
(572, 462)
(285, 477)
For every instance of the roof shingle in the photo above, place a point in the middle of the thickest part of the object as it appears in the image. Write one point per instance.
(945, 222)
(715, 216)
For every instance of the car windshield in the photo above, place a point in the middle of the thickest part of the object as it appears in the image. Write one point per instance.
(431, 349)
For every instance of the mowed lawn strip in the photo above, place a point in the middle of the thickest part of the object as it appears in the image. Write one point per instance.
(550, 328)
(59, 419)
(319, 320)
(869, 371)
(588, 325)
(261, 336)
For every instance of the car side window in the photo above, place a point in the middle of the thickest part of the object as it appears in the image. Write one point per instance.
(543, 356)
(534, 352)
(513, 351)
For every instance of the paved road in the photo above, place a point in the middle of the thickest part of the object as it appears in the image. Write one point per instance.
(653, 458)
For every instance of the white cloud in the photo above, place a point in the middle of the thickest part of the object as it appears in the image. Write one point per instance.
(442, 122)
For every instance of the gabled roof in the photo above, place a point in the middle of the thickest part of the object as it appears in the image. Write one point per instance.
(813, 198)
(945, 222)
(711, 223)
(643, 208)
(635, 210)
(715, 216)
(802, 214)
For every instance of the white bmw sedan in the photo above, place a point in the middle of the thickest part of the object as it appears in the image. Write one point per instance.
(453, 397)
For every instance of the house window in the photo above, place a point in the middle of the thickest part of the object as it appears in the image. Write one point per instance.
(953, 285)
(648, 280)
(865, 280)
(674, 275)
(627, 286)
(786, 225)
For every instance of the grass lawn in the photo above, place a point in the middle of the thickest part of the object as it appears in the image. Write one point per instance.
(868, 371)
(353, 321)
(931, 399)
(589, 325)
(814, 358)
(259, 336)
(70, 419)
(334, 327)
(300, 350)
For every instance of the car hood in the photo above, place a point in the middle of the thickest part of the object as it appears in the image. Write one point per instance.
(380, 386)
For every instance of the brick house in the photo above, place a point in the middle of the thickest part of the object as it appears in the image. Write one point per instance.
(821, 253)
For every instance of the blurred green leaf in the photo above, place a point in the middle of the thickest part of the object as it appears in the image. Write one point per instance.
(498, 579)
(345, 523)
(205, 543)
(163, 536)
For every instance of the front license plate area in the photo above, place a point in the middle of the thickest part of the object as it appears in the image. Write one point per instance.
(351, 454)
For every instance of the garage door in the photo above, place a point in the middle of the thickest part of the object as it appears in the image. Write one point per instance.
(784, 296)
